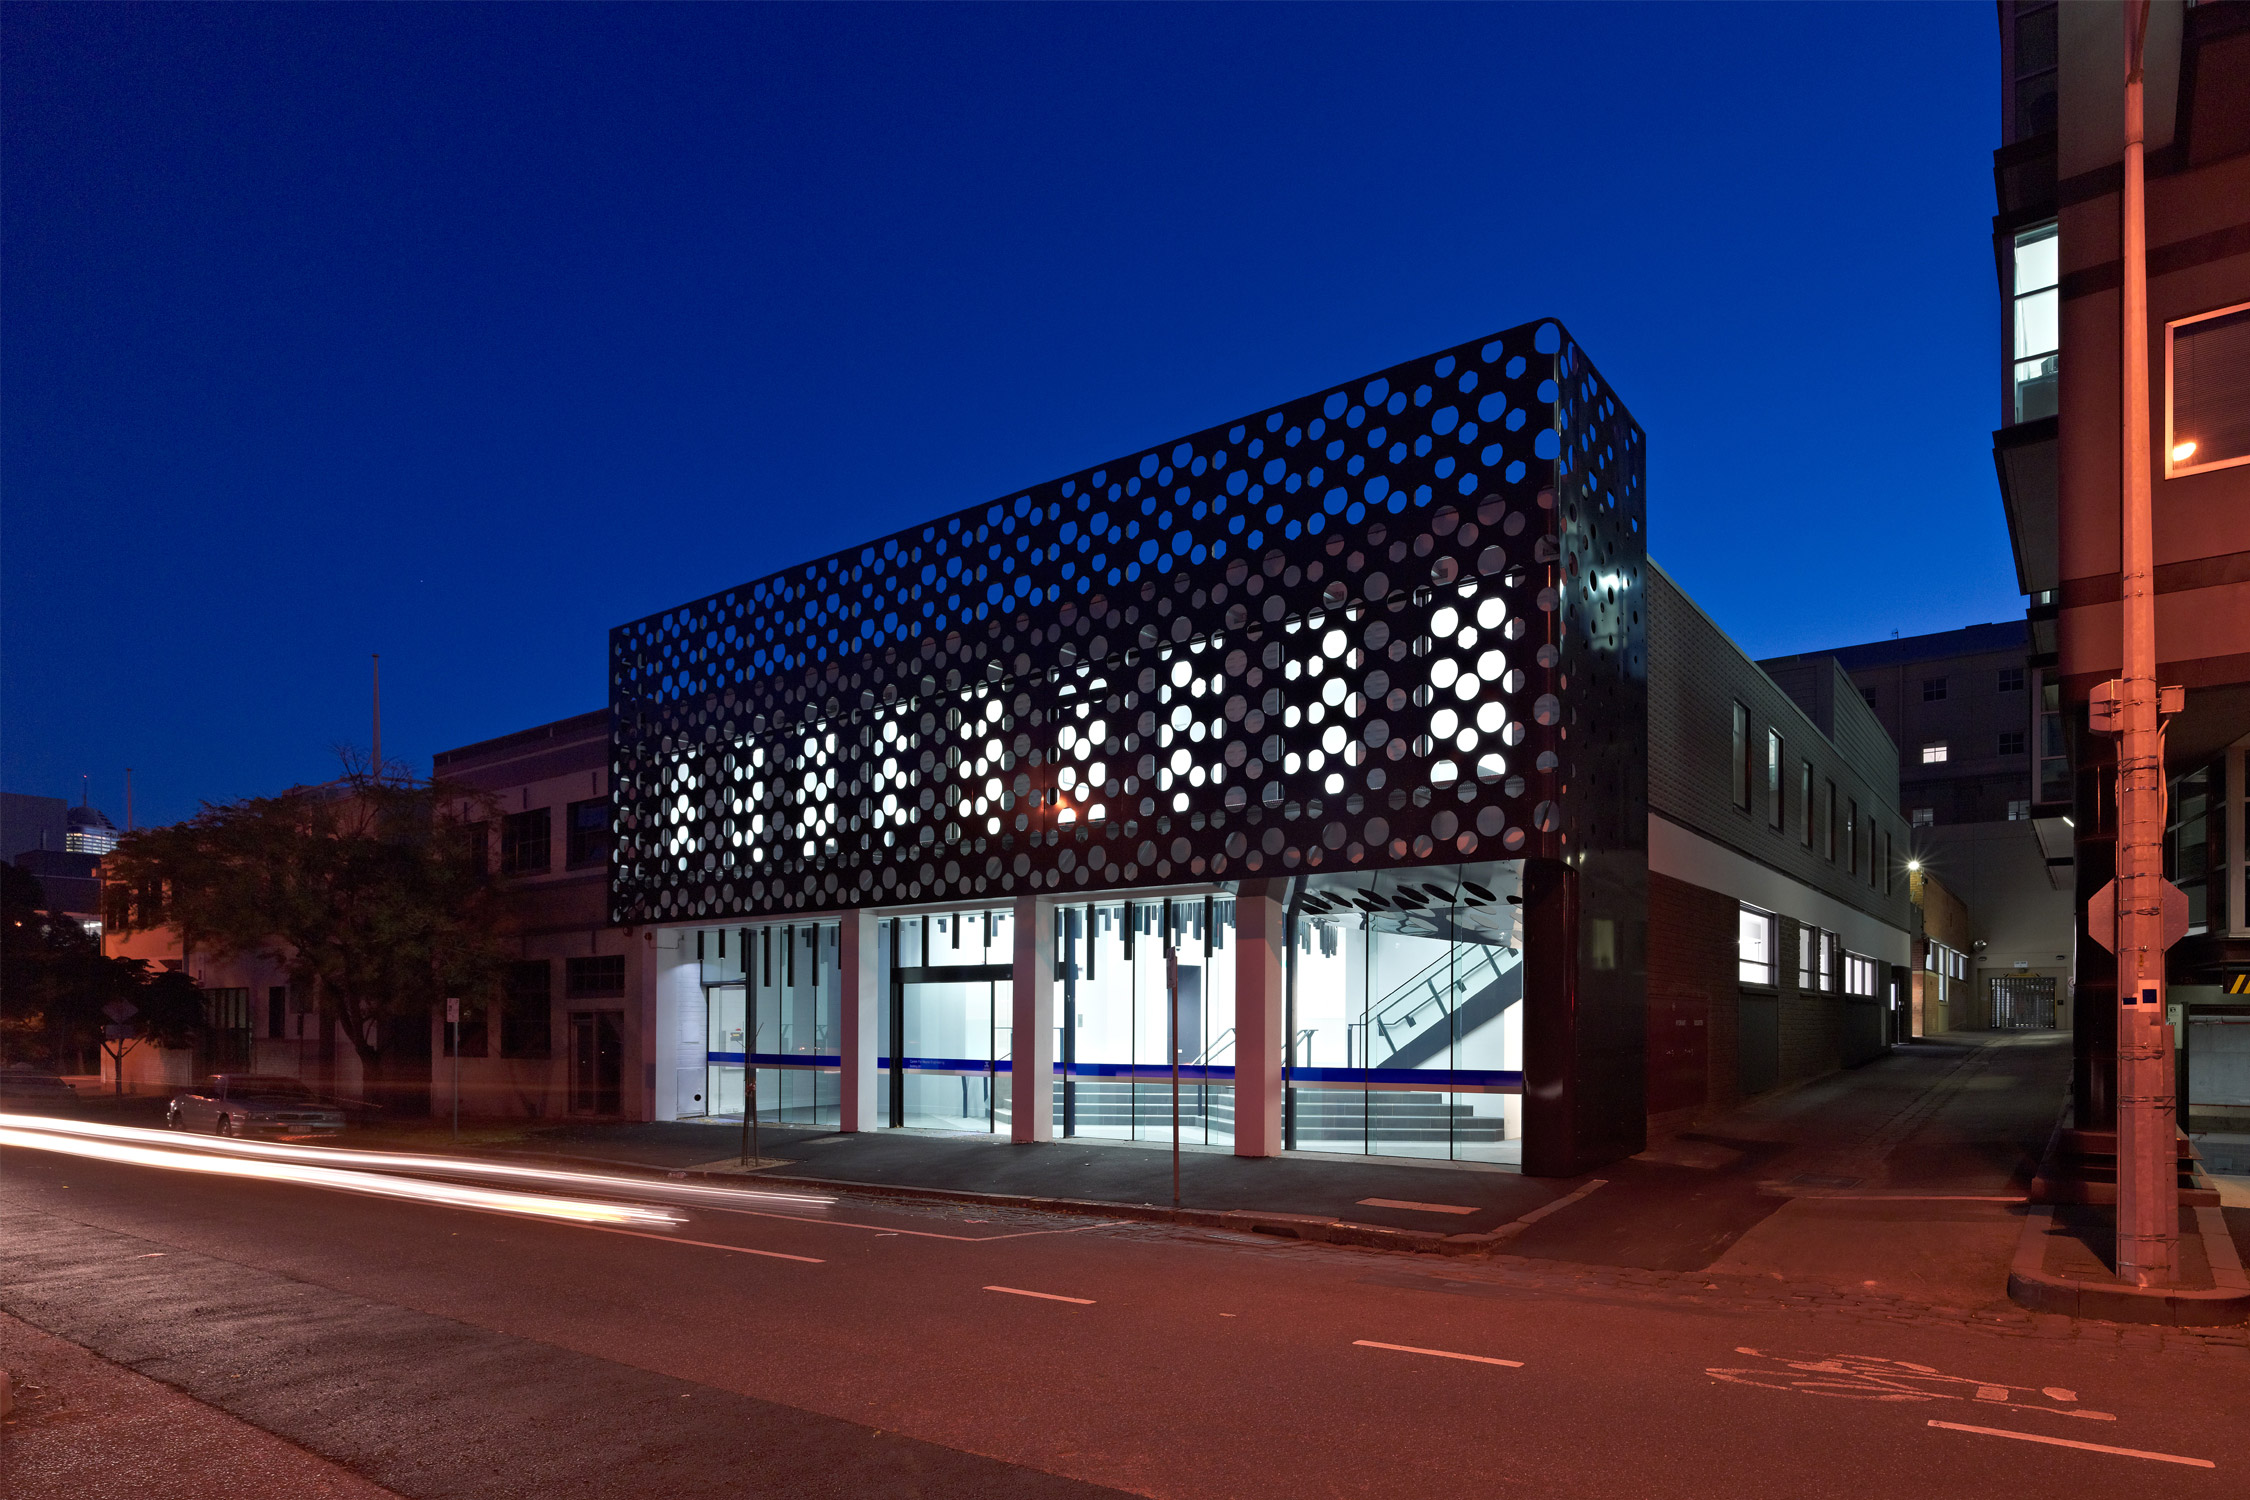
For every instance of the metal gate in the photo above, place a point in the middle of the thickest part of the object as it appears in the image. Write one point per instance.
(2023, 1002)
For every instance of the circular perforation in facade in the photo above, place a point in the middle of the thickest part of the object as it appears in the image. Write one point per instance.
(1330, 635)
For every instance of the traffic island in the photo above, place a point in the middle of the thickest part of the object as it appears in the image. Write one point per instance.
(2066, 1263)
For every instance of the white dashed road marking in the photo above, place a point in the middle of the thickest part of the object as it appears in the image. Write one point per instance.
(1017, 1291)
(1482, 1359)
(2035, 1437)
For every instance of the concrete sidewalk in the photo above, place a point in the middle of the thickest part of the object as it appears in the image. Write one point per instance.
(1906, 1175)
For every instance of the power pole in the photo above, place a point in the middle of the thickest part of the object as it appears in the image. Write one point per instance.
(2147, 1154)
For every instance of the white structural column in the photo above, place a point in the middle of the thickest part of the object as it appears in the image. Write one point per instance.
(1258, 955)
(1031, 1045)
(856, 1001)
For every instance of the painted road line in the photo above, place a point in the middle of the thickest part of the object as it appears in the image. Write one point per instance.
(1420, 1208)
(2037, 1437)
(1482, 1359)
(1017, 1291)
(667, 1239)
(924, 1234)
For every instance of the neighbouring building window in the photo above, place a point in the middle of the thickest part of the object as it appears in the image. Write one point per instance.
(1869, 694)
(594, 978)
(1754, 946)
(1830, 837)
(2054, 757)
(1805, 798)
(2036, 51)
(1773, 779)
(476, 846)
(2011, 742)
(1889, 866)
(588, 825)
(1924, 816)
(524, 843)
(1859, 976)
(1851, 836)
(1934, 753)
(1933, 690)
(527, 1010)
(1742, 757)
(2011, 680)
(1831, 945)
(2019, 809)
(1808, 957)
(2207, 391)
(2037, 330)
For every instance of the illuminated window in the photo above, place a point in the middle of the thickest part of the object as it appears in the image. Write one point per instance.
(1808, 957)
(2207, 391)
(2037, 322)
(1933, 754)
(1924, 816)
(2019, 809)
(1754, 947)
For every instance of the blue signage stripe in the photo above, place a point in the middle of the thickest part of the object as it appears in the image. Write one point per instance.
(779, 1059)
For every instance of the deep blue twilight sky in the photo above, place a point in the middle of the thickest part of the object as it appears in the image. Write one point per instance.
(464, 333)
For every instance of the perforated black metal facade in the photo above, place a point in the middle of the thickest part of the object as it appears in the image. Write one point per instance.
(1382, 625)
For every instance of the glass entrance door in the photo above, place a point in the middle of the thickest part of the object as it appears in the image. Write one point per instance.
(950, 1032)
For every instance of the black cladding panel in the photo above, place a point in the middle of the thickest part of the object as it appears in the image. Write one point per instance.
(1377, 626)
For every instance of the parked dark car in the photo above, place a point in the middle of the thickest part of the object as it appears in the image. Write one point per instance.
(23, 1086)
(254, 1104)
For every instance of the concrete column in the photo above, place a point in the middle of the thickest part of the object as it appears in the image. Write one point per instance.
(856, 1002)
(1031, 1046)
(1259, 934)
(652, 1016)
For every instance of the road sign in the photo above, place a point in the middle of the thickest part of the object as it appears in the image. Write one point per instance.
(117, 1033)
(2101, 915)
(452, 1011)
(121, 1011)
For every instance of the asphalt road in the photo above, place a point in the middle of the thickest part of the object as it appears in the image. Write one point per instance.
(865, 1349)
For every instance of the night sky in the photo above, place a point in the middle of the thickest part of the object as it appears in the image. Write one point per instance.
(463, 333)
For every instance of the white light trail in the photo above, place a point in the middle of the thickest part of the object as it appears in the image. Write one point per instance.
(370, 1184)
(404, 1162)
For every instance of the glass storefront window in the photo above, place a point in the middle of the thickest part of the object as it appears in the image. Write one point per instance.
(943, 982)
(1406, 1024)
(772, 1003)
(1114, 1050)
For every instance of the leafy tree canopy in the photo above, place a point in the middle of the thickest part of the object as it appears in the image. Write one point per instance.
(370, 891)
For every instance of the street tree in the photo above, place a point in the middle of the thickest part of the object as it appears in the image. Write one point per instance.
(370, 891)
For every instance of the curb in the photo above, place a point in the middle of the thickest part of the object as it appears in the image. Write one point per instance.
(2031, 1285)
(1313, 1228)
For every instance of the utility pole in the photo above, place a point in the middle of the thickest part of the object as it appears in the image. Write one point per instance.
(2147, 1154)
(128, 799)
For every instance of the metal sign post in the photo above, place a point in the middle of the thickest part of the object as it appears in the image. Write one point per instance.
(453, 1014)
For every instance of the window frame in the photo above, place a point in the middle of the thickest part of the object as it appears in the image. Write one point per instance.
(511, 845)
(573, 859)
(1777, 750)
(1937, 752)
(578, 986)
(1828, 846)
(2001, 684)
(2017, 296)
(1745, 916)
(1934, 689)
(1741, 763)
(1808, 957)
(1805, 792)
(2179, 471)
